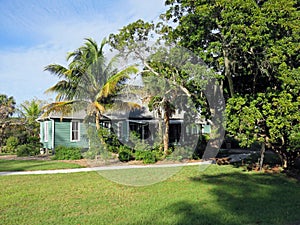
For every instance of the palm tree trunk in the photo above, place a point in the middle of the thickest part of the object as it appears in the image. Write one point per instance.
(166, 134)
(160, 131)
(97, 121)
(102, 141)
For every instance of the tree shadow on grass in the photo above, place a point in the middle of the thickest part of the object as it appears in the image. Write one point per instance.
(253, 198)
(235, 198)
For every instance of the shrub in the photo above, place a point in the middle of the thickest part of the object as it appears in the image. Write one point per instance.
(94, 152)
(110, 138)
(67, 153)
(147, 156)
(28, 150)
(139, 145)
(125, 154)
(11, 144)
(33, 140)
(181, 153)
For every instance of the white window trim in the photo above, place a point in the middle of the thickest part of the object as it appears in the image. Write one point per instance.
(71, 128)
(46, 131)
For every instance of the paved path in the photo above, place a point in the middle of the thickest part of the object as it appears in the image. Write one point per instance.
(101, 168)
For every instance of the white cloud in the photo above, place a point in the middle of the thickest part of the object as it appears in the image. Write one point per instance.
(58, 32)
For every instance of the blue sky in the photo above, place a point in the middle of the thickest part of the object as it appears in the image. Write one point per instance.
(35, 33)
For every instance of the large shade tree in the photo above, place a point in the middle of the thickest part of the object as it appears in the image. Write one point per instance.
(162, 79)
(254, 45)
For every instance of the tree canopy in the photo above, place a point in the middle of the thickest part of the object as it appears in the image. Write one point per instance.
(255, 46)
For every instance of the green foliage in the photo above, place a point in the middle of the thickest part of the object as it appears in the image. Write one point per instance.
(125, 154)
(28, 150)
(180, 153)
(143, 151)
(110, 138)
(11, 144)
(96, 148)
(272, 118)
(138, 143)
(294, 138)
(7, 108)
(246, 41)
(30, 111)
(88, 82)
(147, 156)
(254, 45)
(68, 153)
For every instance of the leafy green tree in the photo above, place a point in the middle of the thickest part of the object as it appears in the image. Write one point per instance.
(7, 108)
(161, 78)
(243, 40)
(254, 45)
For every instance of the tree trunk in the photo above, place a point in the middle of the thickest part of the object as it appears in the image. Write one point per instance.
(97, 121)
(160, 134)
(166, 134)
(227, 72)
(102, 141)
(262, 154)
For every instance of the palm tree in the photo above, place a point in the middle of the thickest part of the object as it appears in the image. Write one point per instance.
(88, 82)
(161, 95)
(31, 110)
(166, 109)
(7, 109)
(7, 106)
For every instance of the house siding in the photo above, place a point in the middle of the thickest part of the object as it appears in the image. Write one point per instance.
(48, 143)
(62, 135)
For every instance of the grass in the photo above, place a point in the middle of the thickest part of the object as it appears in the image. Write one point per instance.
(29, 165)
(218, 195)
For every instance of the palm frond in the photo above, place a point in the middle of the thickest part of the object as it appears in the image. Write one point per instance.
(64, 108)
(99, 107)
(112, 83)
(56, 69)
(124, 106)
(65, 90)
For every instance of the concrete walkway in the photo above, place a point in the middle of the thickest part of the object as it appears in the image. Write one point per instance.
(101, 168)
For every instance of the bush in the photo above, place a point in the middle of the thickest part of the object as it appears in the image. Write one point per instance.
(181, 153)
(147, 156)
(67, 153)
(28, 150)
(33, 140)
(11, 144)
(125, 154)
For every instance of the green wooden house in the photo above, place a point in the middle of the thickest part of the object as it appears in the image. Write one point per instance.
(68, 131)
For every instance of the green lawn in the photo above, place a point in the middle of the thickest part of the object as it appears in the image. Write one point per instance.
(29, 165)
(219, 195)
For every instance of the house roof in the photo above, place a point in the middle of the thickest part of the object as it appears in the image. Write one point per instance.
(142, 113)
(80, 115)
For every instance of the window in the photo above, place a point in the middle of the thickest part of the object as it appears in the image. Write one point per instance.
(141, 129)
(75, 131)
(46, 131)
